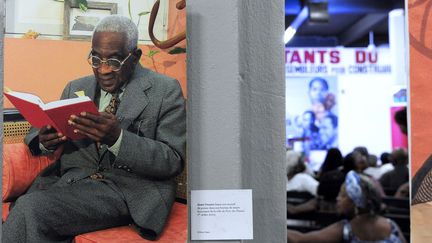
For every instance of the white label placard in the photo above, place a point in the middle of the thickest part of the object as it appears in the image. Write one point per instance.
(221, 214)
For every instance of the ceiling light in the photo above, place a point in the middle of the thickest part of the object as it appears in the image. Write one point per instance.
(298, 21)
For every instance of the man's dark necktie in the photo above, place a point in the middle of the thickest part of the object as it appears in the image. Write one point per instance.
(111, 109)
(114, 103)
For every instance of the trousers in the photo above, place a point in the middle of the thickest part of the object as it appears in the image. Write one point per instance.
(59, 213)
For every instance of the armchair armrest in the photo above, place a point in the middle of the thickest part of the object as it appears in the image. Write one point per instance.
(20, 168)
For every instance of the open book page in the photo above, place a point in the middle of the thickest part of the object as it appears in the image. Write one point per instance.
(26, 96)
(29, 107)
(60, 103)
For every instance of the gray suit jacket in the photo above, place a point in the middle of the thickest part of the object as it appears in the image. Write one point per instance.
(421, 183)
(152, 152)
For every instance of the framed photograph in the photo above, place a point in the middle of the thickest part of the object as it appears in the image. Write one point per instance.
(42, 16)
(79, 24)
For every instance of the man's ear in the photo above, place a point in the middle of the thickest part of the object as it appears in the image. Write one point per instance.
(137, 55)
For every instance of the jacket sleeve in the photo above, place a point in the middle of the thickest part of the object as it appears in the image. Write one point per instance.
(162, 157)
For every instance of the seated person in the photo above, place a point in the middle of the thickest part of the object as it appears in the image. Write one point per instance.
(373, 169)
(386, 164)
(123, 171)
(361, 203)
(333, 161)
(361, 163)
(403, 191)
(331, 178)
(393, 179)
(361, 154)
(297, 179)
(402, 121)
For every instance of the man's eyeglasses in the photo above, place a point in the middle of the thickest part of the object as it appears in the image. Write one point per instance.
(113, 63)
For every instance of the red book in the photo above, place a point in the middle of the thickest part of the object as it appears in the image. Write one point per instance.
(56, 113)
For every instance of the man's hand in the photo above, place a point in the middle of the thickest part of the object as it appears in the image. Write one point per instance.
(102, 128)
(50, 138)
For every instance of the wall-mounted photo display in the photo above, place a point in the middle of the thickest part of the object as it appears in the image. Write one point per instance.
(420, 113)
(129, 69)
(42, 16)
(79, 24)
(64, 19)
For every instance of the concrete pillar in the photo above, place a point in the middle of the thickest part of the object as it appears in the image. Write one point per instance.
(398, 46)
(2, 27)
(236, 105)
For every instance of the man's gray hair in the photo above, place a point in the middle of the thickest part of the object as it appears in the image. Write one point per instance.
(120, 24)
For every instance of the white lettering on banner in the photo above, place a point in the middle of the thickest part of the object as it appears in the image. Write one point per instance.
(337, 61)
(369, 69)
(306, 69)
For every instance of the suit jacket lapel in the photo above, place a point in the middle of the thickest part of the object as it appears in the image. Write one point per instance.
(134, 99)
(91, 90)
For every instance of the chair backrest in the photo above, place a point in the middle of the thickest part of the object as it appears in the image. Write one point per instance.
(403, 203)
(298, 197)
(15, 131)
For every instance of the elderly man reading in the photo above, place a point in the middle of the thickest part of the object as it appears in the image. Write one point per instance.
(123, 171)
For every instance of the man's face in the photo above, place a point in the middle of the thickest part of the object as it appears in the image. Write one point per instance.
(317, 92)
(360, 161)
(327, 132)
(107, 45)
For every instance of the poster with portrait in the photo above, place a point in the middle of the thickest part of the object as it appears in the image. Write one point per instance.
(312, 116)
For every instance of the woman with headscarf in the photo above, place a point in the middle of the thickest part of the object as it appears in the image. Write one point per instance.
(360, 202)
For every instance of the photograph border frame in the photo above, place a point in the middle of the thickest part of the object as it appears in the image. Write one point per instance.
(18, 21)
(69, 4)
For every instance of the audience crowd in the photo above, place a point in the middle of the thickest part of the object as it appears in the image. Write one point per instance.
(356, 187)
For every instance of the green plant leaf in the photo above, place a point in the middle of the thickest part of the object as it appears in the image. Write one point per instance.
(83, 5)
(143, 13)
(177, 50)
(151, 53)
(59, 1)
(129, 9)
